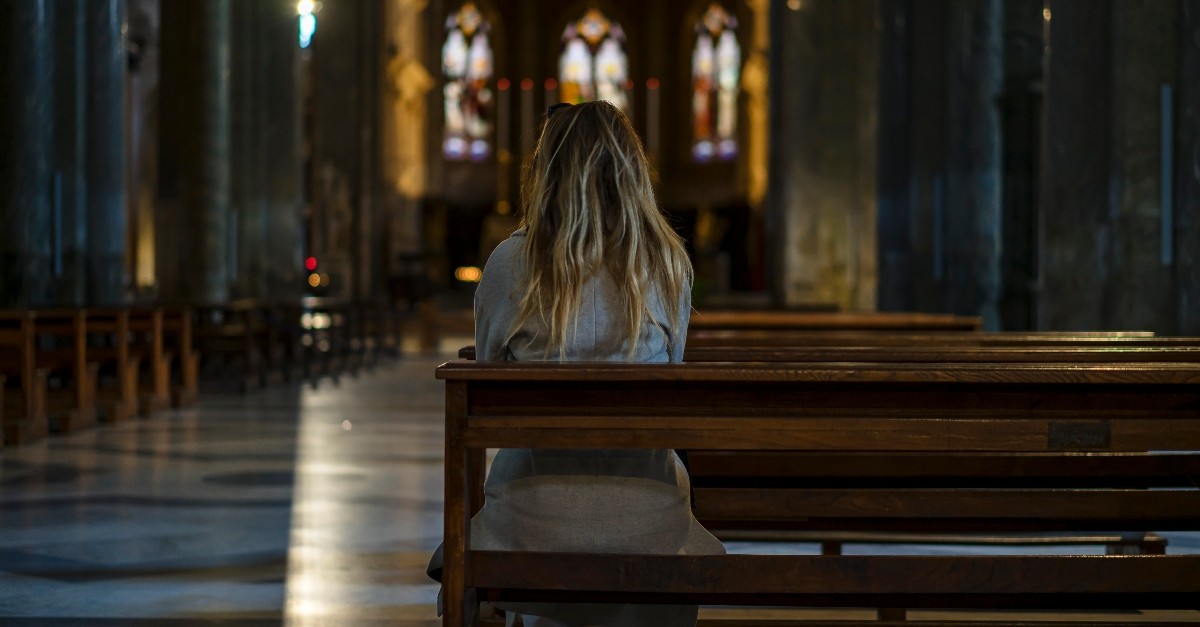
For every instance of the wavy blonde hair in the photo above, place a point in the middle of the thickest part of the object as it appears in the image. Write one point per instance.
(589, 207)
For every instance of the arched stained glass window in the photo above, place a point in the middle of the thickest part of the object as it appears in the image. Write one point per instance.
(467, 68)
(593, 64)
(716, 73)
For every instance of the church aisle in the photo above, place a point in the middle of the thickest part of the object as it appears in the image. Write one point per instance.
(318, 505)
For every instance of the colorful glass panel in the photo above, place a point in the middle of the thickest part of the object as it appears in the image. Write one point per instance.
(467, 97)
(593, 64)
(716, 73)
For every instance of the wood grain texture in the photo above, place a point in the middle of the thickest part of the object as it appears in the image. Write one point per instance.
(811, 320)
(1160, 581)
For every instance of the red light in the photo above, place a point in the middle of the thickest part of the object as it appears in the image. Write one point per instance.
(526, 83)
(310, 264)
(651, 83)
(550, 84)
(502, 84)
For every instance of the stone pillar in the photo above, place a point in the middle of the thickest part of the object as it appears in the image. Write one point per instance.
(68, 234)
(1076, 239)
(248, 155)
(822, 190)
(212, 215)
(26, 116)
(895, 153)
(1187, 170)
(144, 17)
(928, 161)
(107, 216)
(1020, 111)
(281, 96)
(336, 144)
(1145, 58)
(193, 226)
(368, 254)
(972, 217)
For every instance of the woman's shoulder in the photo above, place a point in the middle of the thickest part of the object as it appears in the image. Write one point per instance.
(507, 250)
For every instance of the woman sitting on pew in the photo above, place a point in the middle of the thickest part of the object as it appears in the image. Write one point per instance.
(595, 274)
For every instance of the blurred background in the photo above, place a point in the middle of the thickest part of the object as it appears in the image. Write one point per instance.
(1034, 162)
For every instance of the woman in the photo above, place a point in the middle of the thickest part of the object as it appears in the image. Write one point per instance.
(595, 274)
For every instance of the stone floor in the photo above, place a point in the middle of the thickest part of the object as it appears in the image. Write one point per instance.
(293, 505)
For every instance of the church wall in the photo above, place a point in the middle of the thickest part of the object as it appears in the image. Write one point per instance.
(941, 175)
(822, 167)
(1145, 54)
(1020, 119)
(1187, 171)
(1110, 236)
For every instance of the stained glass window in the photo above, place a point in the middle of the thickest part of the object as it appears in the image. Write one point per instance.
(593, 64)
(716, 70)
(467, 68)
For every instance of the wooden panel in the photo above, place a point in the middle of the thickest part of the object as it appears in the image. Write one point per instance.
(743, 373)
(867, 469)
(854, 581)
(1091, 508)
(951, 354)
(832, 320)
(776, 339)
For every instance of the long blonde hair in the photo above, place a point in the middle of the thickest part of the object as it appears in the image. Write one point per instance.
(588, 204)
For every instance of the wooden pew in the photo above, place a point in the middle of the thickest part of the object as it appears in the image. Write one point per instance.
(178, 341)
(330, 326)
(25, 415)
(230, 337)
(59, 347)
(109, 337)
(141, 330)
(760, 338)
(782, 320)
(969, 410)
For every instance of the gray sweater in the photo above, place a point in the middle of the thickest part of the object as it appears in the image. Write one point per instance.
(617, 501)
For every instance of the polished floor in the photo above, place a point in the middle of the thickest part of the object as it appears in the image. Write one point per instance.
(294, 505)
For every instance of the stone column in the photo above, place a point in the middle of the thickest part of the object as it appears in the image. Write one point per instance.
(69, 223)
(192, 227)
(1076, 240)
(1187, 170)
(281, 96)
(822, 190)
(107, 219)
(248, 215)
(26, 116)
(895, 153)
(1020, 111)
(368, 256)
(144, 17)
(1145, 58)
(972, 219)
(336, 144)
(212, 255)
